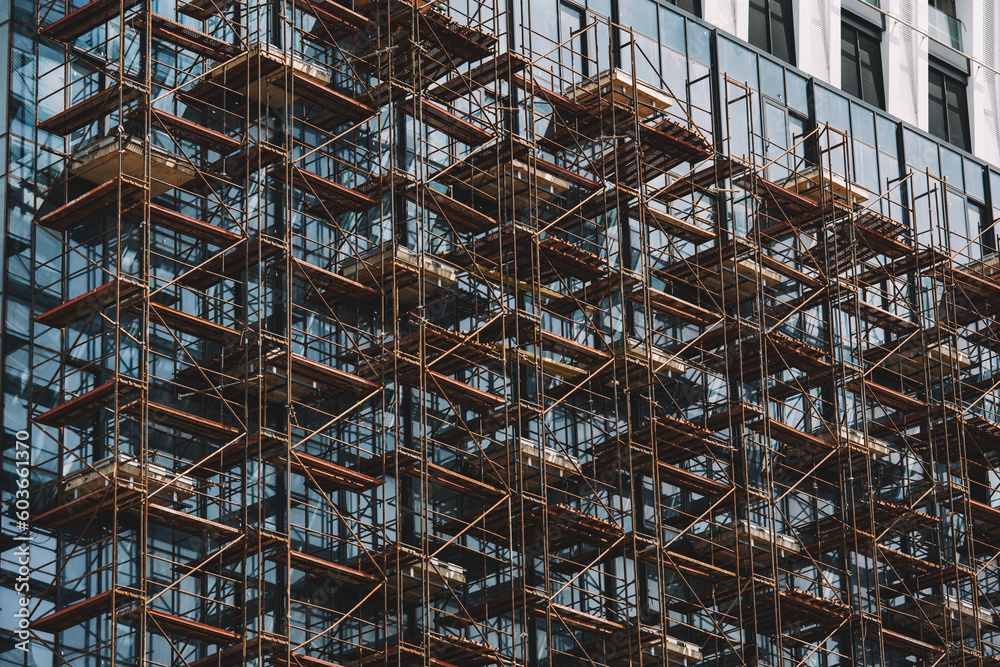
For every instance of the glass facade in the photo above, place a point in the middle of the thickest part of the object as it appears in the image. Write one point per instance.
(546, 333)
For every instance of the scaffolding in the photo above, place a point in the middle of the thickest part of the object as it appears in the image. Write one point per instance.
(377, 339)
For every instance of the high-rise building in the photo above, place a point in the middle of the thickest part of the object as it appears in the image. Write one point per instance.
(463, 333)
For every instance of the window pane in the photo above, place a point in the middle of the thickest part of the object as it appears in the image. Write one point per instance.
(974, 217)
(936, 117)
(782, 33)
(948, 108)
(689, 6)
(699, 42)
(862, 124)
(671, 29)
(757, 34)
(888, 140)
(974, 180)
(921, 152)
(772, 79)
(833, 109)
(870, 62)
(849, 78)
(797, 89)
(951, 168)
(738, 62)
(958, 115)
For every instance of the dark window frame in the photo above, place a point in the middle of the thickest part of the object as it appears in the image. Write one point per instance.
(692, 7)
(772, 28)
(948, 114)
(863, 81)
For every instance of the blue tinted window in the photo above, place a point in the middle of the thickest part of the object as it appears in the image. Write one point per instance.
(921, 152)
(672, 29)
(862, 124)
(640, 15)
(974, 180)
(772, 79)
(833, 109)
(738, 62)
(887, 135)
(995, 193)
(699, 42)
(951, 168)
(797, 91)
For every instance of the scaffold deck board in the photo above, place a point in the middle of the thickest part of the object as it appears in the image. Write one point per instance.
(91, 403)
(793, 437)
(191, 524)
(672, 225)
(326, 475)
(81, 612)
(447, 651)
(227, 265)
(703, 179)
(737, 413)
(564, 258)
(803, 609)
(890, 397)
(461, 485)
(454, 391)
(500, 68)
(508, 526)
(448, 352)
(122, 191)
(331, 288)
(683, 564)
(238, 654)
(443, 46)
(120, 95)
(564, 105)
(667, 439)
(324, 375)
(129, 155)
(191, 325)
(190, 424)
(334, 198)
(320, 567)
(489, 422)
(333, 20)
(189, 628)
(84, 509)
(593, 293)
(91, 303)
(301, 660)
(676, 307)
(233, 552)
(641, 461)
(443, 120)
(663, 148)
(203, 10)
(161, 216)
(86, 18)
(461, 216)
(235, 169)
(577, 351)
(275, 78)
(186, 37)
(181, 128)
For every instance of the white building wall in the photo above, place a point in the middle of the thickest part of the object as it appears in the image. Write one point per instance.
(904, 60)
(905, 55)
(981, 43)
(818, 43)
(731, 16)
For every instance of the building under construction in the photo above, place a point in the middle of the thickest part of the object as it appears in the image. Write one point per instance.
(431, 333)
